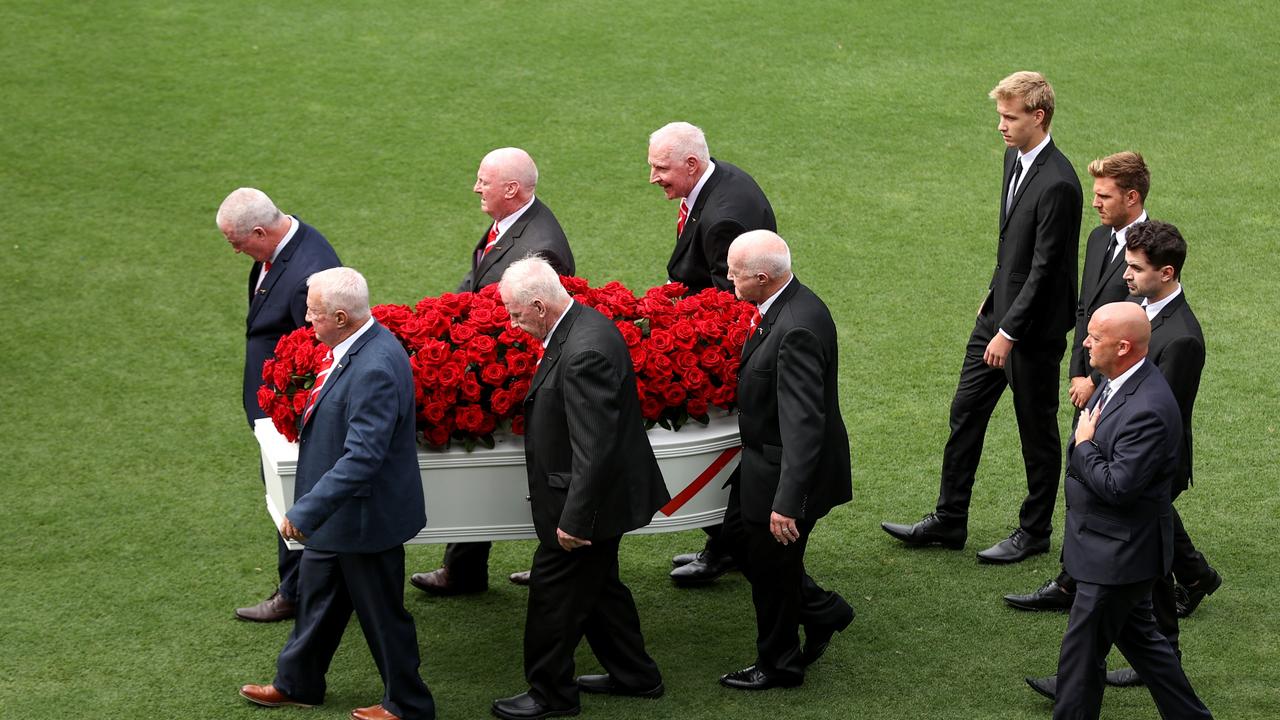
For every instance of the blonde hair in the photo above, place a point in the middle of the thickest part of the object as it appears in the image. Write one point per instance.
(1031, 88)
(1127, 168)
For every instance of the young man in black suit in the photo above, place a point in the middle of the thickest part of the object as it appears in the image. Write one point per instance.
(1020, 334)
(718, 202)
(795, 462)
(1124, 457)
(1120, 185)
(285, 252)
(592, 477)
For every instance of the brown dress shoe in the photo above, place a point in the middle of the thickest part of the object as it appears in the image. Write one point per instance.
(268, 696)
(520, 578)
(438, 582)
(375, 712)
(273, 609)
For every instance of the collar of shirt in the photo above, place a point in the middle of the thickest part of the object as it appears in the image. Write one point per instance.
(293, 229)
(1029, 157)
(1122, 232)
(693, 194)
(1153, 309)
(768, 303)
(511, 219)
(345, 345)
(1116, 383)
(556, 324)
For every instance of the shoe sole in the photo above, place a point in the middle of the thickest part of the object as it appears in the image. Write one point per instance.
(912, 542)
(1036, 608)
(264, 703)
(1010, 561)
(1040, 691)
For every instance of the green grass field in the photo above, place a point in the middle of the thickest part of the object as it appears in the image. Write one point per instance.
(131, 516)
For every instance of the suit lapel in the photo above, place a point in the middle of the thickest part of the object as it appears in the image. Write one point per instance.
(766, 323)
(259, 297)
(1130, 387)
(335, 375)
(1168, 310)
(551, 350)
(1027, 179)
(506, 242)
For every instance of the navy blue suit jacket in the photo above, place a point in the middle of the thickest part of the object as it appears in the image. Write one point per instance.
(358, 488)
(280, 306)
(1119, 512)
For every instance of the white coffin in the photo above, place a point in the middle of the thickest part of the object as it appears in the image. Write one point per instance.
(481, 495)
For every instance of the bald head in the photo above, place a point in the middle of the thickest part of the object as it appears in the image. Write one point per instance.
(759, 265)
(505, 181)
(1119, 334)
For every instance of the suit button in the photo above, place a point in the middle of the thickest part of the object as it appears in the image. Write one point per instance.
(528, 498)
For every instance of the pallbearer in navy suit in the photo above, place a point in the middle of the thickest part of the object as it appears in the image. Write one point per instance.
(522, 225)
(358, 498)
(592, 478)
(718, 202)
(285, 252)
(1124, 457)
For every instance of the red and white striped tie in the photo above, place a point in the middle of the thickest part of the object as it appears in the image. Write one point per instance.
(755, 321)
(684, 215)
(315, 388)
(493, 239)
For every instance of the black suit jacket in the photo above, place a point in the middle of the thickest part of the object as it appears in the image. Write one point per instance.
(536, 231)
(280, 306)
(1119, 512)
(1177, 348)
(795, 450)
(591, 469)
(729, 204)
(1032, 295)
(1095, 292)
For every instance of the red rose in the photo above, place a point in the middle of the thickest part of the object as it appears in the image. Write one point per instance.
(470, 418)
(482, 348)
(434, 412)
(482, 315)
(517, 425)
(674, 395)
(693, 378)
(685, 334)
(712, 358)
(437, 436)
(434, 351)
(651, 408)
(501, 402)
(460, 333)
(494, 374)
(661, 341)
(450, 374)
(685, 360)
(630, 332)
(658, 365)
(470, 389)
(697, 408)
(520, 363)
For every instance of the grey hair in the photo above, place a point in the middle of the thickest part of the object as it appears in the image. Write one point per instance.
(514, 164)
(532, 278)
(682, 140)
(342, 288)
(766, 252)
(246, 208)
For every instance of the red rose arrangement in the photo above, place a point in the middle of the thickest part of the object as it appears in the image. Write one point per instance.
(472, 370)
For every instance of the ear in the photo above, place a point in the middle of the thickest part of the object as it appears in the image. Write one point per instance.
(691, 164)
(1167, 274)
(1131, 198)
(1038, 114)
(1123, 347)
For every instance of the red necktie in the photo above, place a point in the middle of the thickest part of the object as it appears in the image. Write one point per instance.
(684, 215)
(755, 321)
(493, 238)
(266, 268)
(315, 388)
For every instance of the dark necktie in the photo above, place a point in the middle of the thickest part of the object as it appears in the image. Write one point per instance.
(1013, 183)
(1106, 395)
(1111, 249)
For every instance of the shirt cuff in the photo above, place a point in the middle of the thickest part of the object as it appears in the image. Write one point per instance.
(1007, 336)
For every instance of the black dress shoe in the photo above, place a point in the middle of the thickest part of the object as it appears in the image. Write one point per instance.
(604, 685)
(1019, 546)
(1047, 687)
(818, 637)
(1049, 596)
(439, 582)
(274, 609)
(753, 678)
(931, 530)
(683, 559)
(1124, 677)
(1189, 597)
(707, 567)
(524, 707)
